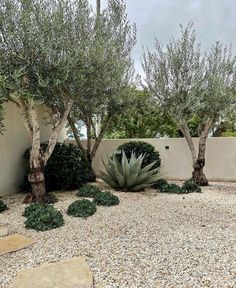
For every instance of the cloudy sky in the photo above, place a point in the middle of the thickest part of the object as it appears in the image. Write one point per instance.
(213, 20)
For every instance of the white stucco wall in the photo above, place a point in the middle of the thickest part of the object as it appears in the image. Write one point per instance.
(13, 143)
(177, 162)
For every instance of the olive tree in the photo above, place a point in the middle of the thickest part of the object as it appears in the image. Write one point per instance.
(186, 82)
(42, 44)
(109, 74)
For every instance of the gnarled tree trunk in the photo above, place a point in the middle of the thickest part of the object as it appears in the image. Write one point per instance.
(36, 161)
(36, 179)
(38, 158)
(198, 175)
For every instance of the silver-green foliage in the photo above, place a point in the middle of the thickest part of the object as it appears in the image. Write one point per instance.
(129, 175)
(105, 90)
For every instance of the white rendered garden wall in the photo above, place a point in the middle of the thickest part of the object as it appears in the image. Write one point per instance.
(12, 146)
(176, 158)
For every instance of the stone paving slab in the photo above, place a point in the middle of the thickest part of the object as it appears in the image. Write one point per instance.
(14, 243)
(71, 273)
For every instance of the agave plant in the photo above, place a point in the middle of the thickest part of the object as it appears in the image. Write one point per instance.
(129, 175)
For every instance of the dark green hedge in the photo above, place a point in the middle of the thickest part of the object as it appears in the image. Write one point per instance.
(67, 169)
(140, 147)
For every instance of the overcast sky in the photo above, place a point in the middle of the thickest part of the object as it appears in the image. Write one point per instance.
(213, 20)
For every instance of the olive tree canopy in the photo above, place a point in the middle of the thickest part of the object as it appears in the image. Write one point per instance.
(43, 47)
(186, 82)
(109, 74)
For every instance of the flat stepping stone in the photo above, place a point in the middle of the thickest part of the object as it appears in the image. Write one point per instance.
(4, 230)
(71, 273)
(14, 243)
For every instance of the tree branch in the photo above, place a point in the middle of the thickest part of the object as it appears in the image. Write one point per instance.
(56, 131)
(185, 130)
(100, 137)
(25, 116)
(75, 133)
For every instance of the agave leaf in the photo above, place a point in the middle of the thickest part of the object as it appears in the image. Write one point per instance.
(109, 169)
(108, 180)
(149, 166)
(112, 169)
(129, 174)
(144, 176)
(125, 167)
(117, 162)
(119, 176)
(134, 165)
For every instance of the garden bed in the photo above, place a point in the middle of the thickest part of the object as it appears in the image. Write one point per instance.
(149, 240)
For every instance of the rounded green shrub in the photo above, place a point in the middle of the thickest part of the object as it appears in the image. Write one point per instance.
(172, 188)
(82, 208)
(88, 191)
(3, 206)
(159, 184)
(66, 169)
(34, 208)
(190, 186)
(42, 217)
(106, 199)
(138, 148)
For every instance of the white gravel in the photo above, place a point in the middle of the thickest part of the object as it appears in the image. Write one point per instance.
(161, 241)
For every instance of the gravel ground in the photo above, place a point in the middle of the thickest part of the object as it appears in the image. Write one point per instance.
(156, 241)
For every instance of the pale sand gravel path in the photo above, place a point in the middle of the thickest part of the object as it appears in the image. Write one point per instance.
(147, 241)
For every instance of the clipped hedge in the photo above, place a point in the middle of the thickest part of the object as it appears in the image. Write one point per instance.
(42, 217)
(140, 147)
(82, 208)
(66, 169)
(106, 199)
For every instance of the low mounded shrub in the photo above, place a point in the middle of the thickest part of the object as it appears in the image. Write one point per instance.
(171, 188)
(82, 208)
(106, 199)
(34, 208)
(159, 184)
(42, 217)
(88, 191)
(140, 148)
(190, 186)
(66, 169)
(3, 206)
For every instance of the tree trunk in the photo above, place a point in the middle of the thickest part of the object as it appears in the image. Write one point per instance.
(198, 175)
(36, 179)
(38, 159)
(92, 175)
